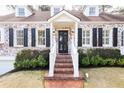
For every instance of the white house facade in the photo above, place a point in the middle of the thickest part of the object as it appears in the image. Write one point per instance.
(61, 31)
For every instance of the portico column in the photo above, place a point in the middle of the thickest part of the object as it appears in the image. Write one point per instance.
(51, 35)
(50, 57)
(76, 34)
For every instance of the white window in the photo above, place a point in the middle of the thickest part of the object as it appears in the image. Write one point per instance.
(19, 38)
(86, 37)
(21, 11)
(1, 35)
(106, 37)
(92, 11)
(122, 38)
(41, 37)
(56, 10)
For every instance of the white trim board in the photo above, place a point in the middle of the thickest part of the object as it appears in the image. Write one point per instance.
(7, 58)
(66, 13)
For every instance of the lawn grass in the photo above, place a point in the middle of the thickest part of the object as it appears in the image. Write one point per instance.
(104, 77)
(23, 79)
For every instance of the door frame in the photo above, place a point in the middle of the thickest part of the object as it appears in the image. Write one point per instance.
(58, 38)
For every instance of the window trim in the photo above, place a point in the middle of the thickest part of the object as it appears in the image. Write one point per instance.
(106, 45)
(92, 12)
(57, 11)
(21, 12)
(37, 37)
(2, 35)
(15, 38)
(83, 45)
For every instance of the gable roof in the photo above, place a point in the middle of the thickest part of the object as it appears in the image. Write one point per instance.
(45, 15)
(36, 16)
(66, 13)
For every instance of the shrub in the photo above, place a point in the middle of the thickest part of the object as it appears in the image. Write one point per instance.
(31, 54)
(106, 53)
(85, 61)
(25, 64)
(41, 61)
(110, 61)
(81, 56)
(103, 62)
(31, 64)
(23, 55)
(120, 62)
(30, 59)
(95, 60)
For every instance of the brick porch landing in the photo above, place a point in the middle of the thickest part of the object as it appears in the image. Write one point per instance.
(71, 82)
(63, 74)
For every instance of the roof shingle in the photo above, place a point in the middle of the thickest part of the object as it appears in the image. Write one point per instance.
(45, 15)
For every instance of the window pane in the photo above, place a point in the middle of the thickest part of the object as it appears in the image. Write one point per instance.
(92, 10)
(87, 41)
(56, 10)
(21, 11)
(83, 40)
(83, 33)
(107, 40)
(107, 33)
(87, 33)
(106, 37)
(41, 37)
(20, 37)
(86, 37)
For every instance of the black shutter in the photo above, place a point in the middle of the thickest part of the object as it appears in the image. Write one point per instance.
(11, 36)
(79, 37)
(48, 37)
(33, 37)
(25, 37)
(94, 40)
(99, 37)
(115, 35)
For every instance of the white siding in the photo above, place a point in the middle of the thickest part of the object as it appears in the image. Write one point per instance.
(2, 35)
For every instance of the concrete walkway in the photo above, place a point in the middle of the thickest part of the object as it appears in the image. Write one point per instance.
(6, 66)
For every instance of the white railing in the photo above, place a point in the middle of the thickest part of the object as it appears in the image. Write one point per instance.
(74, 55)
(52, 58)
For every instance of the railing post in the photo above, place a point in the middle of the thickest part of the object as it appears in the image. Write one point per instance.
(50, 65)
(76, 73)
(74, 55)
(52, 57)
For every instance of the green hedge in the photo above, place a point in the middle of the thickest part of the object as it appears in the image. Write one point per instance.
(100, 57)
(30, 59)
(106, 53)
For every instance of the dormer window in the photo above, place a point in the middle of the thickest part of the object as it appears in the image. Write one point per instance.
(21, 11)
(56, 10)
(92, 11)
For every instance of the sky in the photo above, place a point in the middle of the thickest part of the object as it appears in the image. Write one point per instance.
(4, 10)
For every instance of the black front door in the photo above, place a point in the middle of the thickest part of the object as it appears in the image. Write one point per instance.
(63, 41)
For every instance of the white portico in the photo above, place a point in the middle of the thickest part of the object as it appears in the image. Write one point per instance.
(63, 36)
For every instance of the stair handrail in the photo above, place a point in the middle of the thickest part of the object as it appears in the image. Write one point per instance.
(52, 58)
(74, 55)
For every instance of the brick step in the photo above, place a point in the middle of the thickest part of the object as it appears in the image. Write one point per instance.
(63, 57)
(60, 77)
(64, 70)
(63, 76)
(63, 54)
(63, 60)
(63, 65)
